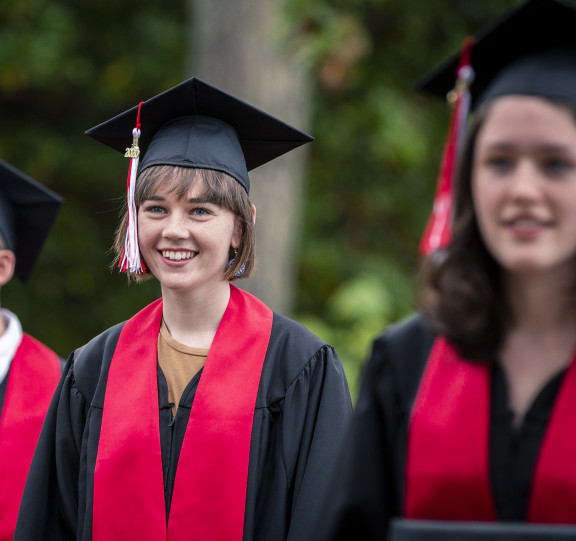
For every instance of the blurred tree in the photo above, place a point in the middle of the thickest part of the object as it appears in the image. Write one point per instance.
(239, 45)
(66, 65)
(373, 169)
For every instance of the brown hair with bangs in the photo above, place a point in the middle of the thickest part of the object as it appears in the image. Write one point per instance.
(219, 189)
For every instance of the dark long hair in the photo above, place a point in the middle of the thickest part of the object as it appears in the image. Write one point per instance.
(462, 292)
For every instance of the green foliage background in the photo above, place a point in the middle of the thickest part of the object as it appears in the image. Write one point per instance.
(66, 65)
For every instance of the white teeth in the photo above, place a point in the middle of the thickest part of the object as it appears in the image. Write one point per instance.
(526, 223)
(176, 256)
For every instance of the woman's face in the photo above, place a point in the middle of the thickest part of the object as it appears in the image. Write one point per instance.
(185, 242)
(524, 184)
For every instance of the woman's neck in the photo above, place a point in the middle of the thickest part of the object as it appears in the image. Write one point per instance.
(541, 304)
(193, 318)
(541, 339)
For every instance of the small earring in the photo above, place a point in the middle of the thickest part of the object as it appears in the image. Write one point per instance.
(242, 268)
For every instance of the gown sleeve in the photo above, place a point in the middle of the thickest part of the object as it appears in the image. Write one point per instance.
(366, 486)
(49, 507)
(316, 412)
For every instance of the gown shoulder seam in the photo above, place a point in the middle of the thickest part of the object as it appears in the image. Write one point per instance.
(316, 354)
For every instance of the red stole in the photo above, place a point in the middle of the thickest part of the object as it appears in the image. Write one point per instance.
(447, 457)
(33, 377)
(210, 488)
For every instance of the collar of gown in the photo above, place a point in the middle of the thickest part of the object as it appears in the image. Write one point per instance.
(9, 341)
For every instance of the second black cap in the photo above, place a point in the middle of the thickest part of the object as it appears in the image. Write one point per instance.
(27, 211)
(530, 50)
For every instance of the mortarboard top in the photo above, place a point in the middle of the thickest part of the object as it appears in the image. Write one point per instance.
(530, 50)
(195, 124)
(27, 211)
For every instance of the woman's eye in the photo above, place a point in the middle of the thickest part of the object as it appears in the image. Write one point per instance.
(557, 165)
(200, 212)
(499, 163)
(153, 209)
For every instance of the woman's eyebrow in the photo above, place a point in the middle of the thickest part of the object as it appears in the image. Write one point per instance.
(200, 199)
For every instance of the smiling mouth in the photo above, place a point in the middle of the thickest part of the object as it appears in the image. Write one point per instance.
(527, 223)
(177, 256)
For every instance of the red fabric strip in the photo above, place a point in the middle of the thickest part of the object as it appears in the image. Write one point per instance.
(438, 231)
(33, 377)
(128, 480)
(138, 124)
(447, 474)
(215, 453)
(128, 485)
(447, 464)
(553, 496)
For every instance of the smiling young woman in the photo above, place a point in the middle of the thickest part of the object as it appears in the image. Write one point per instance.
(186, 240)
(524, 185)
(464, 426)
(205, 415)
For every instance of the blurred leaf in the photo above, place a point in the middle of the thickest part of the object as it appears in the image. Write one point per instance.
(67, 65)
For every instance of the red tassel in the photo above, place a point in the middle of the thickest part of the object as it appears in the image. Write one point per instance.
(438, 232)
(131, 260)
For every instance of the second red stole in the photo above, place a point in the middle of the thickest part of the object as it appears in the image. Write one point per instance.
(33, 377)
(447, 457)
(210, 488)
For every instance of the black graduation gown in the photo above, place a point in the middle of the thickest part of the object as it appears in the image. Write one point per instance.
(302, 409)
(367, 488)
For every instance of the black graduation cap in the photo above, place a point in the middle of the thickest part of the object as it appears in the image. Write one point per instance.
(195, 124)
(27, 211)
(530, 50)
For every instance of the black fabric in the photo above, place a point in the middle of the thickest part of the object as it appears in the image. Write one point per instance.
(514, 451)
(367, 486)
(201, 142)
(3, 384)
(302, 408)
(550, 74)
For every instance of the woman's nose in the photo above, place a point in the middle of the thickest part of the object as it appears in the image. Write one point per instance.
(175, 226)
(525, 182)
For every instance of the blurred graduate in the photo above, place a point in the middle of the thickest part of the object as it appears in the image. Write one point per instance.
(206, 415)
(29, 370)
(465, 425)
